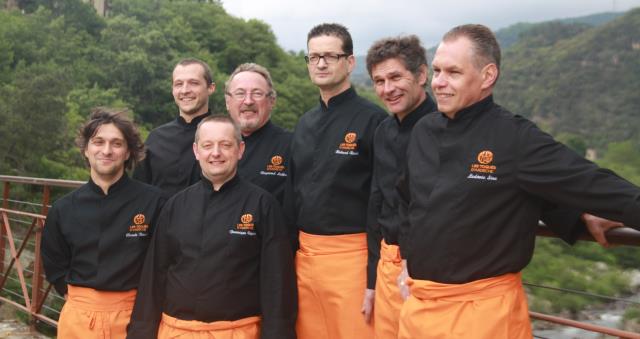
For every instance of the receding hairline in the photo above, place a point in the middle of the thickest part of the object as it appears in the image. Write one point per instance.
(237, 134)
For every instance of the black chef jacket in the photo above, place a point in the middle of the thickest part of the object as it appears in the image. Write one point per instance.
(170, 163)
(266, 158)
(477, 184)
(219, 256)
(99, 241)
(390, 144)
(331, 165)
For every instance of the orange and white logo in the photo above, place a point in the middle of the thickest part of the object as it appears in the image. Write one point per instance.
(138, 225)
(276, 160)
(246, 218)
(349, 143)
(246, 222)
(276, 164)
(350, 137)
(485, 157)
(138, 219)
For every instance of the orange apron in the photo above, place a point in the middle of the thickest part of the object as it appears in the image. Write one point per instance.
(486, 308)
(89, 313)
(245, 328)
(388, 302)
(332, 274)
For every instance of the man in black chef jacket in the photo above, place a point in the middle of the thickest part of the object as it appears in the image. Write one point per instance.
(95, 238)
(250, 98)
(398, 70)
(169, 163)
(477, 180)
(220, 261)
(330, 175)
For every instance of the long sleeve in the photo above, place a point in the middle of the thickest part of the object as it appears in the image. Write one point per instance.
(553, 172)
(565, 222)
(374, 233)
(289, 207)
(278, 291)
(142, 172)
(56, 254)
(147, 311)
(403, 211)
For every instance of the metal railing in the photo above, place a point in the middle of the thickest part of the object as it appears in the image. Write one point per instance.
(21, 233)
(33, 295)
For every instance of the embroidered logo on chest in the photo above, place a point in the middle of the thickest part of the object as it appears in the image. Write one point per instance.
(139, 227)
(350, 144)
(275, 167)
(483, 169)
(245, 227)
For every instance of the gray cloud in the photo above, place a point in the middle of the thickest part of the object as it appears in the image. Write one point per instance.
(369, 20)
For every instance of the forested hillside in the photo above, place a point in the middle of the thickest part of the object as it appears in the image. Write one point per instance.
(577, 80)
(58, 59)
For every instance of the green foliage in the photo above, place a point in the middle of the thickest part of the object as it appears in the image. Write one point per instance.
(576, 78)
(59, 59)
(575, 142)
(585, 267)
(624, 159)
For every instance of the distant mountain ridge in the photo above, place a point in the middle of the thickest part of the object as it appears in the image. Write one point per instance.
(577, 77)
(506, 37)
(572, 78)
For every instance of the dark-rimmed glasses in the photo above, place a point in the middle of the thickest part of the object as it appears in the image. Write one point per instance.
(328, 58)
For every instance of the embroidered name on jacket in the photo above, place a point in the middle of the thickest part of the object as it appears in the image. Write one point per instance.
(275, 167)
(139, 227)
(245, 226)
(350, 145)
(483, 169)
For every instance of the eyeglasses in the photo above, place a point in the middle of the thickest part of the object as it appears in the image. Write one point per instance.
(328, 58)
(256, 95)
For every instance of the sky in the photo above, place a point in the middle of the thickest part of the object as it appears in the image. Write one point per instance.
(370, 20)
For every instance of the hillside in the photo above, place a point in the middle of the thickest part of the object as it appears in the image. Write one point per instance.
(58, 59)
(576, 79)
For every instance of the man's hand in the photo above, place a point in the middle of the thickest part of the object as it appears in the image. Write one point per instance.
(598, 227)
(367, 305)
(402, 281)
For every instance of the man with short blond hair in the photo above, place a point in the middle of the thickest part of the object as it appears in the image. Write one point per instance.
(169, 163)
(220, 262)
(250, 98)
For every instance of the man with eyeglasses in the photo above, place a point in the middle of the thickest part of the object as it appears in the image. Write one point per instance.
(169, 163)
(250, 98)
(328, 194)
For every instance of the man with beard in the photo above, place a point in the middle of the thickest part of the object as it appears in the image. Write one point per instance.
(250, 98)
(169, 163)
(95, 238)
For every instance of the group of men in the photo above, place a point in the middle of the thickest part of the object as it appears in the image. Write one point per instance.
(360, 224)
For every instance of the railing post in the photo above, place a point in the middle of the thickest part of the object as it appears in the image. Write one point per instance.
(3, 234)
(36, 279)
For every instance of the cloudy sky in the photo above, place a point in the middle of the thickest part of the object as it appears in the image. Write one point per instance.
(369, 20)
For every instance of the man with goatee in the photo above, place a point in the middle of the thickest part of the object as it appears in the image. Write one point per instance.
(250, 98)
